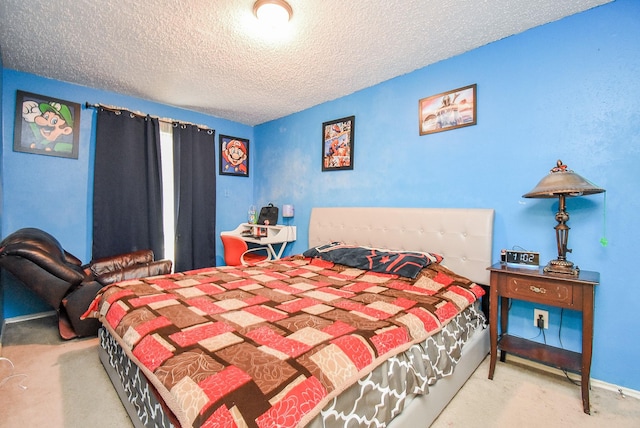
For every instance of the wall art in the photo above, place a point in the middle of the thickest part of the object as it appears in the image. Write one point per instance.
(337, 144)
(448, 110)
(234, 156)
(46, 126)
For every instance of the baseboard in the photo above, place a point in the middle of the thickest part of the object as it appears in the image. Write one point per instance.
(29, 317)
(595, 383)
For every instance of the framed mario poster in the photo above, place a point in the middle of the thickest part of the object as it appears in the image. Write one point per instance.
(234, 156)
(46, 126)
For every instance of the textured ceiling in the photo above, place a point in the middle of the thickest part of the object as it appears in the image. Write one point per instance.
(211, 56)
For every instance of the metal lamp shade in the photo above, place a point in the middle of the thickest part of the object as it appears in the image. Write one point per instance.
(562, 183)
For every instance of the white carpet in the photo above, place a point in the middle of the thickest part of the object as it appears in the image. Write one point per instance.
(524, 397)
(67, 387)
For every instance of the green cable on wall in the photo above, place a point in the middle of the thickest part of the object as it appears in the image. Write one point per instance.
(603, 240)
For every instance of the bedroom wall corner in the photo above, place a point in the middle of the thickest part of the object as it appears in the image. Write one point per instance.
(566, 90)
(55, 194)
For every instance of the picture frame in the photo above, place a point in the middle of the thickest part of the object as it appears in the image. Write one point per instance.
(338, 143)
(448, 110)
(46, 126)
(234, 156)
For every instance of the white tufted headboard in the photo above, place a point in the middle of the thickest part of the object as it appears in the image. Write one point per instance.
(463, 236)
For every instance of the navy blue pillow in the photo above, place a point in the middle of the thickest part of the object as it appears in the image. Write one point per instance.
(403, 263)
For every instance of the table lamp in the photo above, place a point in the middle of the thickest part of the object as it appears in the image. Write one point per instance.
(562, 182)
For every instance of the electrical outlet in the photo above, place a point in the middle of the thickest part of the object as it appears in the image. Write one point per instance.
(537, 313)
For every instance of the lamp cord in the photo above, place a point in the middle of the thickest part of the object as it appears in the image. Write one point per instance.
(603, 240)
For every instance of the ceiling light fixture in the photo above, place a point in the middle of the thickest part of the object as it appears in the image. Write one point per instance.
(273, 12)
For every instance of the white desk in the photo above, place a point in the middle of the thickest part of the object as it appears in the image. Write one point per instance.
(275, 235)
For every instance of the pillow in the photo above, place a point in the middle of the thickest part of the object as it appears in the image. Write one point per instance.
(403, 263)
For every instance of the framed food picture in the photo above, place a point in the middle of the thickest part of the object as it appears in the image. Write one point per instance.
(337, 144)
(234, 156)
(46, 126)
(448, 110)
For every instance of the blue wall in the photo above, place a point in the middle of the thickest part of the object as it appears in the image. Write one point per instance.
(1, 189)
(567, 90)
(55, 194)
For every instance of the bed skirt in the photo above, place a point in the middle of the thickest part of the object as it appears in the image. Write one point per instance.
(428, 362)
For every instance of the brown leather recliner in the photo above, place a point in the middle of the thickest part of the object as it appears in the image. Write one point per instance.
(37, 260)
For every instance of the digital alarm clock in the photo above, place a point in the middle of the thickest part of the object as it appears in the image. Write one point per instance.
(529, 258)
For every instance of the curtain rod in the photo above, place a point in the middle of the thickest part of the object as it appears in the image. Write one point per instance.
(138, 113)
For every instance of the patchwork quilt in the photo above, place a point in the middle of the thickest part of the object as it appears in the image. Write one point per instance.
(272, 344)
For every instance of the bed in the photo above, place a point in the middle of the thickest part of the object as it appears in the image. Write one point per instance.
(281, 339)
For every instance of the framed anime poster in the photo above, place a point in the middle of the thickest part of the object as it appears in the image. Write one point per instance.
(46, 126)
(448, 110)
(337, 144)
(234, 156)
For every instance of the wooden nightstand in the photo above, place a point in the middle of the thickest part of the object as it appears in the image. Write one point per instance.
(575, 292)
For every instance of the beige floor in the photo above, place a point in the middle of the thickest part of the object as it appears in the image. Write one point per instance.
(521, 396)
(66, 386)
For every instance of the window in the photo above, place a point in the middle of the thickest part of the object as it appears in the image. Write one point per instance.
(166, 155)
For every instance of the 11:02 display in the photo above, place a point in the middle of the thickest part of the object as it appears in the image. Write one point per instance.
(522, 257)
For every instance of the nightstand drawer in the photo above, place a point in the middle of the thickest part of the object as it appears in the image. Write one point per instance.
(542, 291)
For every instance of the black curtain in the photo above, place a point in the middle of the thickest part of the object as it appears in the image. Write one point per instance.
(195, 199)
(127, 189)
